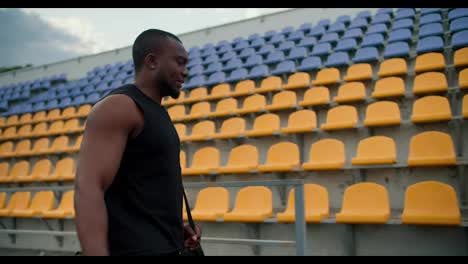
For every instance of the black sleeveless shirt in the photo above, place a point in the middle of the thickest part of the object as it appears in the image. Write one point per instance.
(144, 202)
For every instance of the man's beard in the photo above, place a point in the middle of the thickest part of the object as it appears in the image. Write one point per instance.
(174, 93)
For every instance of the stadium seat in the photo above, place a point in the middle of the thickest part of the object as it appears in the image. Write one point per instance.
(76, 146)
(6, 149)
(315, 202)
(382, 113)
(64, 170)
(326, 154)
(176, 112)
(4, 169)
(389, 87)
(22, 148)
(459, 25)
(225, 107)
(430, 82)
(65, 208)
(463, 79)
(346, 45)
(197, 94)
(40, 170)
(2, 198)
(350, 92)
(270, 84)
(327, 76)
(264, 125)
(377, 29)
(337, 59)
(25, 119)
(341, 117)
(9, 133)
(316, 96)
(430, 18)
(18, 201)
(431, 203)
(457, 13)
(211, 203)
(433, 29)
(283, 100)
(231, 128)
(364, 55)
(393, 67)
(301, 121)
(364, 203)
(396, 49)
(430, 44)
(181, 131)
(204, 161)
(321, 49)
(42, 201)
(201, 131)
(40, 147)
(403, 23)
(73, 126)
(431, 109)
(429, 62)
(371, 42)
(55, 128)
(375, 150)
(310, 64)
(431, 148)
(425, 11)
(284, 67)
(23, 131)
(403, 34)
(353, 33)
(12, 120)
(358, 72)
(219, 91)
(68, 112)
(461, 57)
(252, 104)
(245, 87)
(281, 157)
(297, 80)
(298, 53)
(242, 159)
(460, 39)
(199, 110)
(253, 204)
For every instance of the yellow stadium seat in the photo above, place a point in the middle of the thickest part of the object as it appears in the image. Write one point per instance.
(9, 133)
(181, 131)
(298, 80)
(431, 109)
(205, 161)
(389, 87)
(225, 107)
(270, 84)
(64, 210)
(465, 107)
(23, 148)
(25, 118)
(19, 169)
(283, 156)
(73, 126)
(231, 128)
(211, 203)
(430, 82)
(327, 76)
(461, 57)
(364, 203)
(341, 117)
(40, 170)
(12, 120)
(253, 204)
(463, 79)
(264, 125)
(76, 146)
(39, 117)
(4, 169)
(350, 92)
(83, 111)
(245, 87)
(2, 199)
(326, 154)
(431, 203)
(56, 128)
(375, 150)
(197, 94)
(252, 104)
(383, 113)
(203, 130)
(59, 145)
(242, 159)
(40, 130)
(18, 201)
(176, 112)
(222, 90)
(358, 72)
(6, 149)
(2, 122)
(64, 170)
(199, 110)
(53, 115)
(431, 148)
(301, 121)
(42, 201)
(429, 62)
(283, 100)
(68, 112)
(24, 131)
(316, 96)
(315, 203)
(393, 67)
(40, 146)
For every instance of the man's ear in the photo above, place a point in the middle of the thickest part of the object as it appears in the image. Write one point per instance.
(151, 61)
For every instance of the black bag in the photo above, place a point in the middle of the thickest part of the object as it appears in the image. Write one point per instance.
(198, 251)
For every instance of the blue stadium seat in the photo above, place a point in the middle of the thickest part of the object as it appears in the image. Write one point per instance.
(324, 23)
(102, 87)
(396, 49)
(368, 54)
(237, 40)
(213, 67)
(208, 52)
(62, 94)
(345, 19)
(253, 61)
(307, 42)
(65, 102)
(358, 23)
(297, 53)
(78, 100)
(39, 106)
(258, 71)
(317, 31)
(388, 11)
(459, 24)
(400, 35)
(195, 81)
(269, 34)
(207, 46)
(321, 49)
(329, 37)
(265, 49)
(433, 29)
(460, 39)
(108, 79)
(75, 91)
(215, 78)
(257, 43)
(310, 63)
(425, 11)
(274, 57)
(193, 54)
(276, 39)
(377, 29)
(115, 84)
(222, 43)
(92, 98)
(247, 52)
(283, 67)
(232, 64)
(210, 59)
(286, 46)
(381, 18)
(241, 45)
(364, 14)
(195, 70)
(428, 44)
(306, 27)
(194, 61)
(373, 40)
(89, 89)
(457, 13)
(3, 105)
(237, 75)
(223, 49)
(337, 59)
(253, 37)
(287, 30)
(405, 13)
(296, 36)
(337, 27)
(353, 33)
(430, 18)
(403, 23)
(346, 45)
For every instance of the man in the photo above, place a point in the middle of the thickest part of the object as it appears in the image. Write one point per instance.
(129, 192)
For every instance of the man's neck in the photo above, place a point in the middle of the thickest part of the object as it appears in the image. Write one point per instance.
(148, 89)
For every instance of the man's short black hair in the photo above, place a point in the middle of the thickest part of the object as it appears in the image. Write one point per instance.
(151, 40)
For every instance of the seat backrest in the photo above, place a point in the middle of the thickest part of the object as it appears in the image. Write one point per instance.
(220, 89)
(327, 75)
(71, 124)
(78, 141)
(2, 200)
(41, 144)
(181, 129)
(271, 82)
(254, 199)
(23, 146)
(390, 85)
(53, 114)
(40, 128)
(429, 105)
(302, 118)
(383, 110)
(20, 169)
(461, 57)
(205, 128)
(39, 116)
(342, 113)
(206, 157)
(9, 132)
(375, 147)
(315, 199)
(214, 199)
(327, 150)
(12, 120)
(202, 108)
(284, 97)
(60, 143)
(299, 77)
(317, 94)
(24, 130)
(245, 155)
(67, 201)
(65, 166)
(254, 101)
(69, 111)
(431, 144)
(352, 90)
(429, 61)
(245, 86)
(366, 197)
(4, 167)
(56, 126)
(359, 71)
(6, 147)
(233, 125)
(228, 104)
(42, 168)
(266, 121)
(393, 67)
(283, 152)
(84, 110)
(43, 201)
(19, 200)
(430, 81)
(176, 111)
(198, 93)
(25, 118)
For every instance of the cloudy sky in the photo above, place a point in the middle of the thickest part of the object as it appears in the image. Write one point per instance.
(44, 35)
